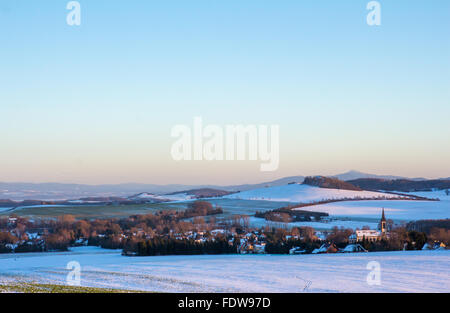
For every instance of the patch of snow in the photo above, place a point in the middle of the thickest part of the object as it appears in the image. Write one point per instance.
(345, 223)
(162, 198)
(149, 197)
(436, 194)
(179, 197)
(83, 201)
(300, 193)
(32, 236)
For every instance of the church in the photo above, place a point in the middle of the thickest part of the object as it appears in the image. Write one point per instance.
(369, 234)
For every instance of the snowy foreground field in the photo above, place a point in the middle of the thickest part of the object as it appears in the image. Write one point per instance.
(412, 271)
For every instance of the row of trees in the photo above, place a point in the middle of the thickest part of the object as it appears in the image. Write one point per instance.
(171, 246)
(288, 215)
(280, 241)
(436, 230)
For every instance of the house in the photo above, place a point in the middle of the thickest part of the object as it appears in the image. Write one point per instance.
(245, 248)
(296, 250)
(81, 242)
(437, 245)
(326, 248)
(360, 235)
(215, 232)
(12, 221)
(369, 234)
(259, 248)
(321, 235)
(353, 248)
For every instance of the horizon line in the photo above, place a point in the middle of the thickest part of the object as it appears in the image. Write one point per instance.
(220, 185)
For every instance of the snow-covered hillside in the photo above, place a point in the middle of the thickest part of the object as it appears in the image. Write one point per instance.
(179, 197)
(436, 194)
(325, 225)
(304, 194)
(145, 196)
(398, 210)
(409, 271)
(150, 197)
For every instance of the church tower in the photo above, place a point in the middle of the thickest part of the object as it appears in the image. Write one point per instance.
(383, 223)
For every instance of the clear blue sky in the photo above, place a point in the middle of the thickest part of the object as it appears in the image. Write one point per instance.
(96, 103)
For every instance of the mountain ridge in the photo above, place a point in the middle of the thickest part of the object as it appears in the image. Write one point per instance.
(64, 191)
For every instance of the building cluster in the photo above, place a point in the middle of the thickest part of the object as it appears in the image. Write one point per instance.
(369, 234)
(252, 242)
(30, 239)
(249, 243)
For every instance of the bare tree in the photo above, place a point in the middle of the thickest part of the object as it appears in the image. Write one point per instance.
(307, 232)
(390, 224)
(245, 221)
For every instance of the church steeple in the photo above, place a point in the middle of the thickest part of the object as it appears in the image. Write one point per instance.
(383, 223)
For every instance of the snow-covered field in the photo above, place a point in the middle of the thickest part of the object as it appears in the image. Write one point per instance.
(346, 223)
(437, 194)
(440, 194)
(398, 210)
(304, 194)
(171, 197)
(411, 271)
(179, 197)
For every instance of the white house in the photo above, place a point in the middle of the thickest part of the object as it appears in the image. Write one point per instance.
(369, 234)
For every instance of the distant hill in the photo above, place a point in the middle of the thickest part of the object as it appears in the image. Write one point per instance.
(278, 182)
(352, 175)
(147, 197)
(403, 185)
(6, 203)
(328, 182)
(179, 195)
(203, 193)
(59, 191)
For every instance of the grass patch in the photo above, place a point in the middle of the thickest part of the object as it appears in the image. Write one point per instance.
(49, 288)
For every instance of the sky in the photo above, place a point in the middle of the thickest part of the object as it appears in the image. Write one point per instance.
(96, 103)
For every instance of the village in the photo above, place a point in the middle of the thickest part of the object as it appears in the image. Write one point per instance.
(169, 233)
